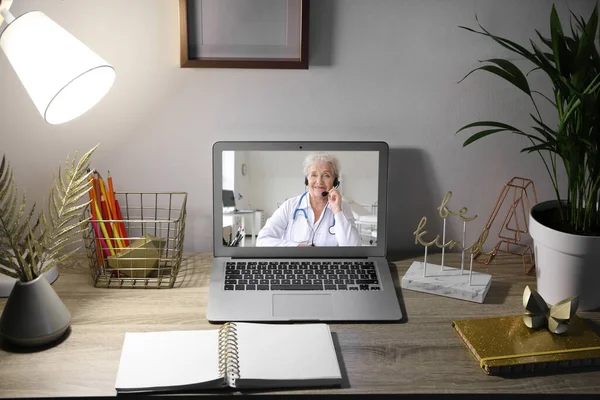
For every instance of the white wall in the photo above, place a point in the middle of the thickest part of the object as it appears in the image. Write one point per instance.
(379, 70)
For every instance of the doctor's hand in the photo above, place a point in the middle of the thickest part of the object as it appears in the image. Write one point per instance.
(335, 201)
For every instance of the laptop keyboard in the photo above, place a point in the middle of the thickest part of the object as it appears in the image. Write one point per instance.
(301, 275)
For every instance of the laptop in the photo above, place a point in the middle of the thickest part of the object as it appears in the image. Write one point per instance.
(285, 281)
(228, 199)
(229, 203)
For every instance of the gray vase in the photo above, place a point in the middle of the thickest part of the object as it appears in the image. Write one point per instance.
(34, 315)
(7, 283)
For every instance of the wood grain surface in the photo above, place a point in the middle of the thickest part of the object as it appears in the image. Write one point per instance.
(421, 354)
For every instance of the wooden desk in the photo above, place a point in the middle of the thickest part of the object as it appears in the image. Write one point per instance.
(422, 354)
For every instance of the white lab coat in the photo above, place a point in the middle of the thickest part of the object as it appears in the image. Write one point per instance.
(281, 230)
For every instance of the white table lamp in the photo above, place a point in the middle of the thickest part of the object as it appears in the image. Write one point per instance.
(63, 77)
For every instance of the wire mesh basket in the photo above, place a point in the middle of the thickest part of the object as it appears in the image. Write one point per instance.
(149, 254)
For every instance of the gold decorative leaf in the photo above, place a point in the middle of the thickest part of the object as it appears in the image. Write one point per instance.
(64, 216)
(30, 247)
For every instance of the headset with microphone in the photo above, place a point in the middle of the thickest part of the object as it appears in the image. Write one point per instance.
(336, 183)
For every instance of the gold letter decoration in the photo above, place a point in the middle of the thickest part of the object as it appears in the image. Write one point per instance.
(444, 214)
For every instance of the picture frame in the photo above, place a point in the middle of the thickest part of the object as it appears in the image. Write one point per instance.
(267, 34)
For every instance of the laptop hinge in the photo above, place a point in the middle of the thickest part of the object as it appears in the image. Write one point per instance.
(304, 258)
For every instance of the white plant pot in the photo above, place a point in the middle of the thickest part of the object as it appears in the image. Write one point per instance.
(566, 265)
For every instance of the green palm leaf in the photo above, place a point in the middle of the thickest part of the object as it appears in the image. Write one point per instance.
(573, 66)
(538, 147)
(544, 40)
(558, 44)
(506, 70)
(486, 124)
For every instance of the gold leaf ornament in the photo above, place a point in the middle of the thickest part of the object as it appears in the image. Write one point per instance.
(538, 313)
(31, 245)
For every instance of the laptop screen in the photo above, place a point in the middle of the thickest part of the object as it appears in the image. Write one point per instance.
(283, 198)
(228, 199)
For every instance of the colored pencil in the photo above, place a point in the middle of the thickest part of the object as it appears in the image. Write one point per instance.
(104, 230)
(111, 194)
(97, 192)
(99, 247)
(101, 241)
(115, 212)
(107, 224)
(117, 244)
(120, 216)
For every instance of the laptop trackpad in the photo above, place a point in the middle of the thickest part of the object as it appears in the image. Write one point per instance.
(303, 306)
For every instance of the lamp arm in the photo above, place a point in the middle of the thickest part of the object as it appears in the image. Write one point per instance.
(6, 14)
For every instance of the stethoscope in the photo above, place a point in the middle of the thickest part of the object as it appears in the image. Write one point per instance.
(306, 216)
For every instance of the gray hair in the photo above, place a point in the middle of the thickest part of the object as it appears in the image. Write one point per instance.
(322, 157)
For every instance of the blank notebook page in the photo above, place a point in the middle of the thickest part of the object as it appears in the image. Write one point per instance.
(286, 352)
(163, 359)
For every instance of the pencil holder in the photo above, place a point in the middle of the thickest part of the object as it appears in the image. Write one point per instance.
(141, 249)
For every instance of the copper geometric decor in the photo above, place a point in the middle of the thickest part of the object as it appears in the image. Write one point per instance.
(515, 224)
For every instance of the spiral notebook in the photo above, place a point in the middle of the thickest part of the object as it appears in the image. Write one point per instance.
(241, 355)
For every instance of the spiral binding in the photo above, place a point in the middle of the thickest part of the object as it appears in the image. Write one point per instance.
(229, 363)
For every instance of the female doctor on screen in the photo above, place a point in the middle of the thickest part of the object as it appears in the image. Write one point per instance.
(317, 217)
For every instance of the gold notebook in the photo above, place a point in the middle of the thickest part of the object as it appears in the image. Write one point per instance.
(506, 345)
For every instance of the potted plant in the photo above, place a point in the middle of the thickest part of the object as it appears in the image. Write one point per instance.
(566, 231)
(34, 315)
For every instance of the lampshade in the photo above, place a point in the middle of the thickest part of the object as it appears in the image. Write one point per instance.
(63, 77)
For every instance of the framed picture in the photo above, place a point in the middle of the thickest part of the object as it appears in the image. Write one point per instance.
(244, 33)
